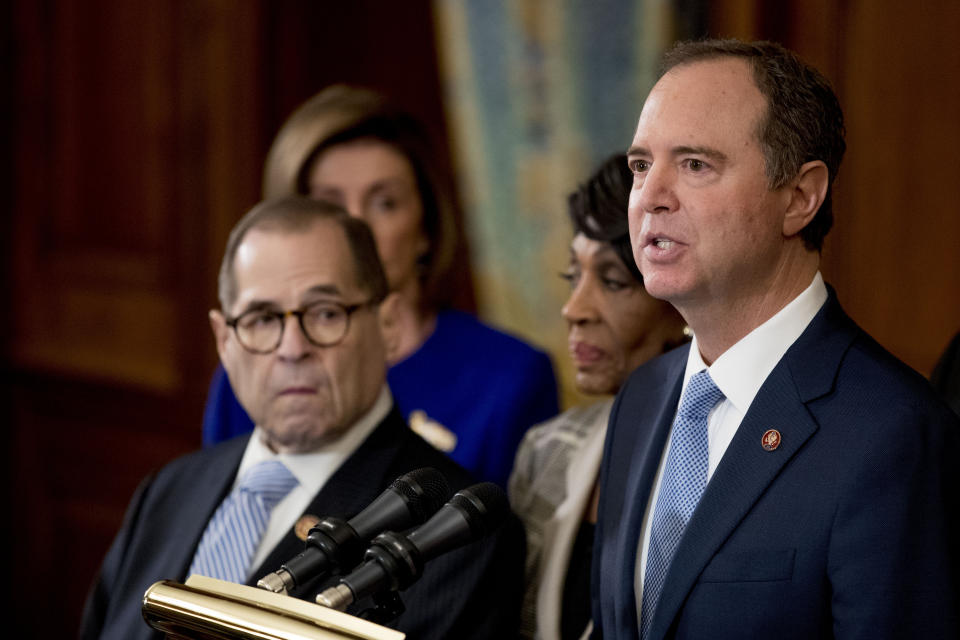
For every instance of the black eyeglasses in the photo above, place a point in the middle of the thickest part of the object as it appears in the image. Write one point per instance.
(324, 324)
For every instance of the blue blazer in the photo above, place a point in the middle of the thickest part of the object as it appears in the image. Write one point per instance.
(170, 511)
(848, 529)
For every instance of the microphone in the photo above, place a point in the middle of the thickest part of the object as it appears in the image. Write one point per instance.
(394, 561)
(334, 545)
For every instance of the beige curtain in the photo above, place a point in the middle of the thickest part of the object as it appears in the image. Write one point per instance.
(537, 95)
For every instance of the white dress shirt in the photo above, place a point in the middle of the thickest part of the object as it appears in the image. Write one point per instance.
(739, 373)
(312, 470)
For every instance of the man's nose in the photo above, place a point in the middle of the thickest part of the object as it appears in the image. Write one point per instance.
(293, 343)
(657, 192)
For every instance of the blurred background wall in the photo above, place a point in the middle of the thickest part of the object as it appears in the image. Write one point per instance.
(134, 135)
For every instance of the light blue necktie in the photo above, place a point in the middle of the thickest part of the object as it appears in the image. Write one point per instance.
(233, 534)
(684, 479)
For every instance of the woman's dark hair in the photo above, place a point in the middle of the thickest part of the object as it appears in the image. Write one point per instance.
(598, 209)
(340, 114)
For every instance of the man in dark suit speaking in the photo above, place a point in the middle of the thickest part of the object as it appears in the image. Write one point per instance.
(783, 476)
(301, 334)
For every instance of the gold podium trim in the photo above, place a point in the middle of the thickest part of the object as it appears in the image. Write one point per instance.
(209, 609)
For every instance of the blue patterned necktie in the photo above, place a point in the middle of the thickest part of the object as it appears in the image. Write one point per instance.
(684, 479)
(233, 534)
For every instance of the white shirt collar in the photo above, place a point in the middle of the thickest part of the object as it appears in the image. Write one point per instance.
(741, 370)
(313, 469)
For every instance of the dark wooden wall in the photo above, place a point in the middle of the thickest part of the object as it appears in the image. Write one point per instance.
(134, 139)
(894, 251)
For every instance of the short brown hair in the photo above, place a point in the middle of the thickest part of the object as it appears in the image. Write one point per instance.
(803, 122)
(296, 213)
(340, 114)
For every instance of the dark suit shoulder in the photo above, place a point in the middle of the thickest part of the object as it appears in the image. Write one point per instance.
(946, 374)
(892, 374)
(866, 372)
(656, 369)
(231, 449)
(452, 597)
(414, 452)
(648, 387)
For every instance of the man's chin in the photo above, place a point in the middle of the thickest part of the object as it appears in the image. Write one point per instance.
(300, 437)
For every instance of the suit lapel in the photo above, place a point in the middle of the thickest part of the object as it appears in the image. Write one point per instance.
(746, 470)
(744, 473)
(209, 485)
(643, 459)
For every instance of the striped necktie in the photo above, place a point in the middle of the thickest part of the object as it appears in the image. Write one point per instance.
(684, 480)
(231, 538)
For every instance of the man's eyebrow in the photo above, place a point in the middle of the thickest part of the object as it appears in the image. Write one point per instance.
(709, 152)
(324, 290)
(270, 305)
(258, 305)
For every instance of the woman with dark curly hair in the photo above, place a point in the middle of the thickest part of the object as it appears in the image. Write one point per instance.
(614, 327)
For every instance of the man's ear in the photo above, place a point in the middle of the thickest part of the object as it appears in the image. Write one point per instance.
(221, 332)
(807, 194)
(389, 327)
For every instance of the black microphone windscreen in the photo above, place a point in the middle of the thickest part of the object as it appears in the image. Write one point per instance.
(485, 506)
(424, 490)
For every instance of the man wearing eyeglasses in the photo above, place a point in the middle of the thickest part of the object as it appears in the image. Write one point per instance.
(301, 333)
(299, 330)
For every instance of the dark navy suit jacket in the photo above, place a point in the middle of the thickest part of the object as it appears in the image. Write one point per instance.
(848, 529)
(170, 511)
